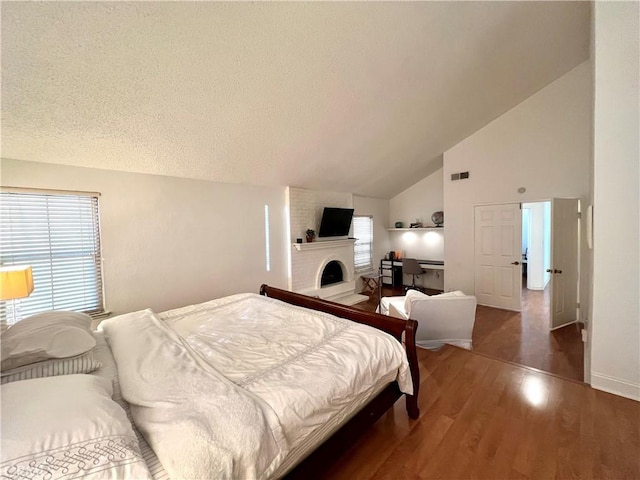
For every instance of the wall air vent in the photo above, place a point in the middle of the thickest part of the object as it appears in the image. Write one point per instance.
(459, 176)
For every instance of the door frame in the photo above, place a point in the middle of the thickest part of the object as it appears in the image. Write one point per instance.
(548, 199)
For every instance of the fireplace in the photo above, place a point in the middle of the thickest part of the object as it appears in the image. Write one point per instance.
(323, 269)
(331, 274)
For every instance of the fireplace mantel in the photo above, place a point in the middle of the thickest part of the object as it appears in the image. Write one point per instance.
(324, 244)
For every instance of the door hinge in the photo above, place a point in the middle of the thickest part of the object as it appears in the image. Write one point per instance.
(579, 214)
(577, 304)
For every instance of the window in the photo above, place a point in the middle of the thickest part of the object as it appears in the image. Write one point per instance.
(58, 234)
(363, 248)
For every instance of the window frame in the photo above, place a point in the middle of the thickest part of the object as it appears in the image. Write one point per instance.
(369, 266)
(74, 255)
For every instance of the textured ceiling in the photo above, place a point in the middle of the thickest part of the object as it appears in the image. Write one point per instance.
(356, 97)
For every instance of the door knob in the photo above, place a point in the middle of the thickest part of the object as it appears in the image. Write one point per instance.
(549, 270)
(557, 271)
(515, 263)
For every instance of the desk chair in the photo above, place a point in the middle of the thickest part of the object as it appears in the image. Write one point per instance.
(410, 266)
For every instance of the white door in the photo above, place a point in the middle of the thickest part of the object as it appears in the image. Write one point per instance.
(564, 261)
(498, 256)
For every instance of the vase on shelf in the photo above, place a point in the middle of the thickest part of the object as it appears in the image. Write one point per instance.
(311, 235)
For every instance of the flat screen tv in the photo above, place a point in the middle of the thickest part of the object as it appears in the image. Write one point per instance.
(336, 222)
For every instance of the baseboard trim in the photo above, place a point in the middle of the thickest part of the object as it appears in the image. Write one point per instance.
(614, 385)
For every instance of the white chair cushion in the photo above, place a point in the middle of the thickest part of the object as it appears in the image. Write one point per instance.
(411, 296)
(385, 302)
(397, 310)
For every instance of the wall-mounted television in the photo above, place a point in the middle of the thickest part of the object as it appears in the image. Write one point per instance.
(336, 222)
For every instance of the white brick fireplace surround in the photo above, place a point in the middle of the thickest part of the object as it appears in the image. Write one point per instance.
(308, 261)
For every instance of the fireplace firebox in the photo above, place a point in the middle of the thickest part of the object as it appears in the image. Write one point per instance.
(331, 274)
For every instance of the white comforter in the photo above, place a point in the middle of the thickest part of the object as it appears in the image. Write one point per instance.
(199, 424)
(283, 370)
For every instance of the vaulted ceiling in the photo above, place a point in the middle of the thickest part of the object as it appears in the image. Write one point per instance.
(356, 97)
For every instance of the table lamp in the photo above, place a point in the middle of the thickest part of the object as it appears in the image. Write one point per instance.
(15, 282)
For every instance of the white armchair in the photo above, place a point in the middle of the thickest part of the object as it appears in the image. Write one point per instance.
(444, 318)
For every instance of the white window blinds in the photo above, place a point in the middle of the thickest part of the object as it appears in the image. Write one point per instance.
(59, 236)
(363, 248)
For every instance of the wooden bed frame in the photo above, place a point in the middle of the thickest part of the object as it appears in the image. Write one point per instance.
(342, 439)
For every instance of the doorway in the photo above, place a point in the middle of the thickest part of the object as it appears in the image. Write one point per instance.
(536, 245)
(536, 268)
(528, 254)
(539, 238)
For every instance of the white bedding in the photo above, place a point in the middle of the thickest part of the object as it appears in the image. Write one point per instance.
(299, 367)
(64, 427)
(199, 423)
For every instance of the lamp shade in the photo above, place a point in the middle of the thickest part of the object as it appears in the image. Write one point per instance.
(15, 282)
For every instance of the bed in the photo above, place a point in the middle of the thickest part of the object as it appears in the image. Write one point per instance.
(343, 437)
(287, 420)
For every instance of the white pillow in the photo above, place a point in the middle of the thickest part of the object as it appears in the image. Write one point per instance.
(46, 335)
(410, 297)
(66, 427)
(85, 363)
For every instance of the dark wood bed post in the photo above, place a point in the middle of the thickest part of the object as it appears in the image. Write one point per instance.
(412, 355)
(393, 326)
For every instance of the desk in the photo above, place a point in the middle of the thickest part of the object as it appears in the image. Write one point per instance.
(391, 270)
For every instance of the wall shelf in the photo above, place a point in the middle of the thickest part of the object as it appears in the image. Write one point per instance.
(421, 229)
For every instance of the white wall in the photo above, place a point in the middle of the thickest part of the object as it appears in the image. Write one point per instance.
(543, 144)
(539, 246)
(615, 329)
(418, 202)
(526, 221)
(422, 245)
(535, 279)
(169, 241)
(306, 207)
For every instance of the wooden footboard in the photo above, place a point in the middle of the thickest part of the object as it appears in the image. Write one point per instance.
(393, 326)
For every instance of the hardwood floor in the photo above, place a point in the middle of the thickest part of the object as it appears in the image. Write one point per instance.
(487, 419)
(522, 338)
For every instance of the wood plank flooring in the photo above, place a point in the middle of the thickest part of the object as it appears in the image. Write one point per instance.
(522, 338)
(487, 419)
